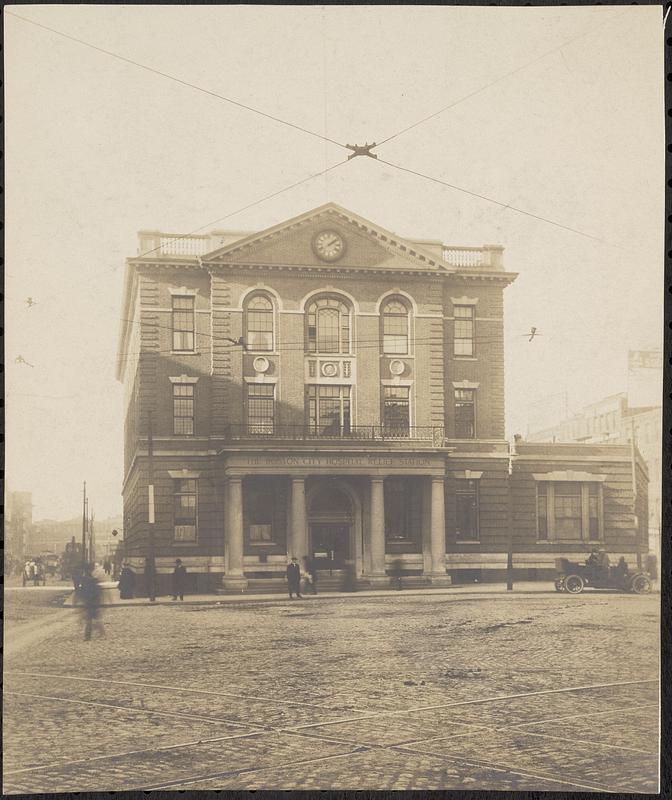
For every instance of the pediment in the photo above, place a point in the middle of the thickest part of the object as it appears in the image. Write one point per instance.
(293, 244)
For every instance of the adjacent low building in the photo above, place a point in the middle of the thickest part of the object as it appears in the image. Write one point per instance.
(327, 388)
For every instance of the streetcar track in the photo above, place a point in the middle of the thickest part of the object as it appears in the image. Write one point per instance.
(172, 688)
(512, 770)
(132, 709)
(247, 770)
(360, 746)
(474, 702)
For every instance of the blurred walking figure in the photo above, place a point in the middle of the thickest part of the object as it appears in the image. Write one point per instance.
(126, 583)
(397, 573)
(179, 579)
(76, 577)
(311, 573)
(294, 578)
(90, 595)
(349, 579)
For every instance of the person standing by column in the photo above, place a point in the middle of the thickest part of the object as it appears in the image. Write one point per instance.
(294, 578)
(179, 579)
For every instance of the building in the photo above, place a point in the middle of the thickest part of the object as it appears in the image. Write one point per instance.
(49, 535)
(328, 388)
(18, 528)
(615, 419)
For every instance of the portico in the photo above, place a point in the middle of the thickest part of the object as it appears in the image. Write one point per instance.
(334, 507)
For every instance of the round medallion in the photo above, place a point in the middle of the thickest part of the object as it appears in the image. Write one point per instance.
(397, 367)
(261, 364)
(330, 369)
(329, 245)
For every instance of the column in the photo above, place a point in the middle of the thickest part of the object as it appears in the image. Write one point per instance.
(377, 529)
(297, 542)
(235, 577)
(438, 532)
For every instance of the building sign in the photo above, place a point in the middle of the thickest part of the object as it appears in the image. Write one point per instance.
(312, 461)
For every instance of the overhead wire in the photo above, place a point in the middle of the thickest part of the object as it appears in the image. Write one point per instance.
(174, 78)
(493, 200)
(496, 81)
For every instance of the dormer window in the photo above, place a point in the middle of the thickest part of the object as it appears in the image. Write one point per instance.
(328, 326)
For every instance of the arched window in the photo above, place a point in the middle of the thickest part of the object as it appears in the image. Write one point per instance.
(259, 326)
(328, 326)
(395, 327)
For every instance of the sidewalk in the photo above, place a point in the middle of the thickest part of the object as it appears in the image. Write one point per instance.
(111, 595)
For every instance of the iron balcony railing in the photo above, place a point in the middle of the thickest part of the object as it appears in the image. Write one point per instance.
(378, 433)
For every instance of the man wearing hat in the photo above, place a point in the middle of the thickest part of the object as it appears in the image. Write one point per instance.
(179, 579)
(294, 578)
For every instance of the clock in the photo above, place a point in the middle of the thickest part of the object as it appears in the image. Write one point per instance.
(329, 245)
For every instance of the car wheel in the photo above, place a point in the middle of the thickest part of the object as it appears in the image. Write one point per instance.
(574, 584)
(640, 584)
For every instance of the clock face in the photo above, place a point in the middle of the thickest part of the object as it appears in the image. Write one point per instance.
(329, 245)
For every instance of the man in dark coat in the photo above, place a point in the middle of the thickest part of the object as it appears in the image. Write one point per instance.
(179, 579)
(294, 578)
(90, 595)
(126, 583)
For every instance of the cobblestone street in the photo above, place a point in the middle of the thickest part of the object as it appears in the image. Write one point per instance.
(407, 691)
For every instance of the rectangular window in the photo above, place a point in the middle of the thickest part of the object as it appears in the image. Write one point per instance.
(260, 408)
(395, 334)
(185, 508)
(567, 511)
(465, 413)
(542, 511)
(183, 323)
(183, 409)
(329, 410)
(464, 330)
(466, 500)
(396, 410)
(261, 534)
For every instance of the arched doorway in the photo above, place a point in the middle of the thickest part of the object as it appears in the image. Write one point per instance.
(330, 521)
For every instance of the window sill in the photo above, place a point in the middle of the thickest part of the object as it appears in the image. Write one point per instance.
(465, 358)
(467, 541)
(262, 544)
(185, 544)
(184, 353)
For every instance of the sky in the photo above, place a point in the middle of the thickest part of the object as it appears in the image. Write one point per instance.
(557, 111)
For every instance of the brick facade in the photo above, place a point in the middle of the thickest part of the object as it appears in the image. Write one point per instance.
(331, 493)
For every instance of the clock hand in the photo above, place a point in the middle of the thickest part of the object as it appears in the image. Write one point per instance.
(330, 242)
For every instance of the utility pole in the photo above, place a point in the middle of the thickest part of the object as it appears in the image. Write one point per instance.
(150, 492)
(92, 539)
(509, 525)
(84, 504)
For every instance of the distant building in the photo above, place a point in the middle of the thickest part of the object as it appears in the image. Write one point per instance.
(327, 388)
(612, 420)
(49, 535)
(18, 526)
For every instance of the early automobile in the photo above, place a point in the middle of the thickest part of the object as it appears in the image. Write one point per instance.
(574, 577)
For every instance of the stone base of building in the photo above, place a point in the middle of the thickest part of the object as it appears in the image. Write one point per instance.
(440, 580)
(234, 583)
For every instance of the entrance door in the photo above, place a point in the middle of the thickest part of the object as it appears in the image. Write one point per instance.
(330, 543)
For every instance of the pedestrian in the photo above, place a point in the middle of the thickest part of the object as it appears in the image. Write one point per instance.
(126, 583)
(397, 572)
(90, 595)
(311, 573)
(179, 579)
(76, 577)
(294, 578)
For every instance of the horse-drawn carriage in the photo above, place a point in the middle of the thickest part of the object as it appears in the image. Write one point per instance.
(574, 577)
